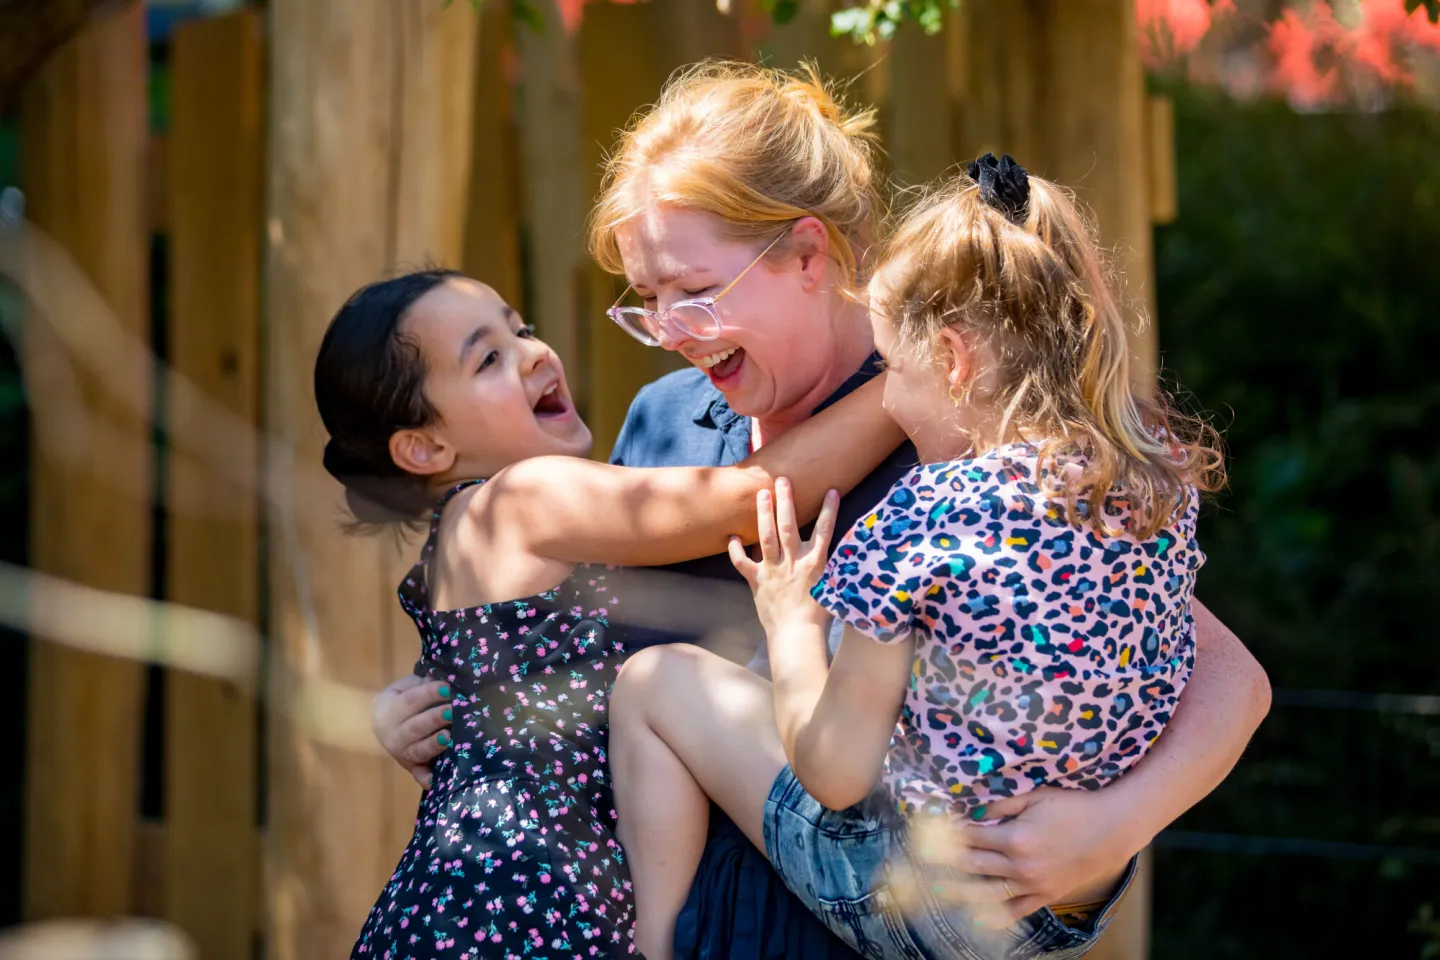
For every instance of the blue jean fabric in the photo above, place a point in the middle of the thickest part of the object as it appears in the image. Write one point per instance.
(840, 863)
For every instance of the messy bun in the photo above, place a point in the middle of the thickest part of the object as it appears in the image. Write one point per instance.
(755, 146)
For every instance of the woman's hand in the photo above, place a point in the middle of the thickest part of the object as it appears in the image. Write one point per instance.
(788, 566)
(410, 718)
(1059, 841)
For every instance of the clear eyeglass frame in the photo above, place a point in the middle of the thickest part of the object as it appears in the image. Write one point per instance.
(694, 319)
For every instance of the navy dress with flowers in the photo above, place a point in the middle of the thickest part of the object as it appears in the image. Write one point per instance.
(514, 851)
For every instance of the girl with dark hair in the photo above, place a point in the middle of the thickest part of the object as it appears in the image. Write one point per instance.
(439, 400)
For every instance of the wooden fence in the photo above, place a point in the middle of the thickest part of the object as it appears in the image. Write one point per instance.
(311, 149)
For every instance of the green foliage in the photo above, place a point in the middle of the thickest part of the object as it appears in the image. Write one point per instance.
(878, 20)
(1296, 297)
(868, 22)
(1432, 8)
(1427, 924)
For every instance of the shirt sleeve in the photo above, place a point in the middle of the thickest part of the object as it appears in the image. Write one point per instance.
(890, 573)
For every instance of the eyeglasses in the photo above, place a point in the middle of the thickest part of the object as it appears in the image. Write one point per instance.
(696, 319)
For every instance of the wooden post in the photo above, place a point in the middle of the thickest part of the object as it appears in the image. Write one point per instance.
(618, 364)
(83, 123)
(918, 115)
(216, 152)
(555, 196)
(492, 229)
(1058, 84)
(369, 141)
(1160, 140)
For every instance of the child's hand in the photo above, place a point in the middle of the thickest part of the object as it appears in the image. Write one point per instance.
(789, 566)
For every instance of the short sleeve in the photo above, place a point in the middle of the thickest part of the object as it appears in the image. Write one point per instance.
(886, 575)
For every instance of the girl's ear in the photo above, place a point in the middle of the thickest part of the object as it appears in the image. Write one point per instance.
(810, 242)
(955, 353)
(420, 453)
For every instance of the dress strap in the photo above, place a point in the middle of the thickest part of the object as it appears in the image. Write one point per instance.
(444, 498)
(448, 495)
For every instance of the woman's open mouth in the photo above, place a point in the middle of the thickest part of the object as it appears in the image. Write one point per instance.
(722, 365)
(552, 404)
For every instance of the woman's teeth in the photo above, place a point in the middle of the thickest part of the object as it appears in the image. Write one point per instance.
(706, 362)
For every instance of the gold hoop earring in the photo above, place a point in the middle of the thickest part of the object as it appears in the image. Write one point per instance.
(963, 398)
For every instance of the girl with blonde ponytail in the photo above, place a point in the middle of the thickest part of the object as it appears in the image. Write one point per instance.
(1017, 609)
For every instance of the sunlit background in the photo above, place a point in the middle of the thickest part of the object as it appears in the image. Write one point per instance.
(191, 187)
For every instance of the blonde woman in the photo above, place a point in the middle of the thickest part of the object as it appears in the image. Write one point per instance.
(737, 162)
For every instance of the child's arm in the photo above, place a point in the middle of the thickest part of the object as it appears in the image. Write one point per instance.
(566, 508)
(835, 721)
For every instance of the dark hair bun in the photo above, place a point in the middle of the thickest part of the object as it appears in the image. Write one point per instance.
(374, 495)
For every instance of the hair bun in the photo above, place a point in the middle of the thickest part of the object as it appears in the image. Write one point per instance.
(375, 498)
(1004, 184)
(340, 465)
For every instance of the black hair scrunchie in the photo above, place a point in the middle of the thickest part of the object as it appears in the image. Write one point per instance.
(1004, 184)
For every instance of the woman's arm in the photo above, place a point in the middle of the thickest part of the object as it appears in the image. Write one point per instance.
(1063, 840)
(565, 508)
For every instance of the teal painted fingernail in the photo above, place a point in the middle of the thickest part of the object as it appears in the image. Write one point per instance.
(444, 739)
(444, 692)
(449, 715)
(979, 813)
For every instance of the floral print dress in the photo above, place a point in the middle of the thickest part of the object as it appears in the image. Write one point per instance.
(514, 851)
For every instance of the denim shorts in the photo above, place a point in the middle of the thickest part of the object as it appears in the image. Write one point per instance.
(840, 863)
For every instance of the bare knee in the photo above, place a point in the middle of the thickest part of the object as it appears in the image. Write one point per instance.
(647, 676)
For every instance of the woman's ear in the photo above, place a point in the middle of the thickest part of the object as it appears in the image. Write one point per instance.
(420, 453)
(810, 243)
(958, 358)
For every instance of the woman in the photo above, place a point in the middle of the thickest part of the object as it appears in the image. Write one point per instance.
(734, 156)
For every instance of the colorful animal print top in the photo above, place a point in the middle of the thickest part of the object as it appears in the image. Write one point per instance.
(1044, 654)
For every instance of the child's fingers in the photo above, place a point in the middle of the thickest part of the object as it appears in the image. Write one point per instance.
(825, 523)
(785, 519)
(765, 519)
(742, 561)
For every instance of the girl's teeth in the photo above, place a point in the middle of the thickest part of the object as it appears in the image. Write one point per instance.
(714, 358)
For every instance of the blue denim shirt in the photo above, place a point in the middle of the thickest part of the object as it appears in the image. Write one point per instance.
(738, 907)
(681, 420)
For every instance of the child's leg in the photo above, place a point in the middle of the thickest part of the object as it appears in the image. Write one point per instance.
(685, 724)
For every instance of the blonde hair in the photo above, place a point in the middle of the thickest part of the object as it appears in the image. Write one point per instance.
(1037, 290)
(755, 146)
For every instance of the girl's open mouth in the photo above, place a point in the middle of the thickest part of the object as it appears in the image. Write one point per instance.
(551, 405)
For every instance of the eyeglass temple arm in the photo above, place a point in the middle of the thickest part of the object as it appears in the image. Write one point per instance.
(749, 268)
(626, 292)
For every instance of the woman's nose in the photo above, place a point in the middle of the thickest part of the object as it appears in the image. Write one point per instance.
(669, 337)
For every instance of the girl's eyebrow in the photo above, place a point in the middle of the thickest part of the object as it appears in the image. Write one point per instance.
(475, 336)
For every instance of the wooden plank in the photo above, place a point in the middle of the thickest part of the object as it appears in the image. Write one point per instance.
(555, 201)
(215, 209)
(1058, 84)
(83, 132)
(492, 230)
(618, 365)
(1094, 123)
(357, 124)
(1160, 138)
(918, 119)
